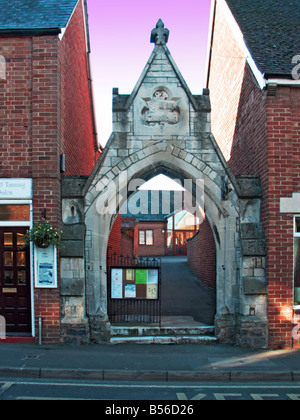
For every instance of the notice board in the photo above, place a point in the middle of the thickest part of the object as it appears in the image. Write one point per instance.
(134, 283)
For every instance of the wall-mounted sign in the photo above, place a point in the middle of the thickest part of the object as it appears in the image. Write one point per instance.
(45, 267)
(15, 189)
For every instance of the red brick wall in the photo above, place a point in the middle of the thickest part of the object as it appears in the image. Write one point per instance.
(259, 134)
(45, 110)
(78, 130)
(15, 108)
(127, 243)
(114, 240)
(201, 254)
(238, 104)
(29, 108)
(30, 146)
(129, 237)
(284, 179)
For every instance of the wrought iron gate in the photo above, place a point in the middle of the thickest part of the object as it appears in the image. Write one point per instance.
(134, 289)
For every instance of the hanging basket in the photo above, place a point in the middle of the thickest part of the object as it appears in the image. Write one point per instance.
(42, 242)
(43, 235)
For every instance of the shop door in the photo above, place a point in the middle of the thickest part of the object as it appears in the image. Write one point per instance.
(15, 296)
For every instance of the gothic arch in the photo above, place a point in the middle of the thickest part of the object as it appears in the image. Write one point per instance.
(155, 159)
(162, 128)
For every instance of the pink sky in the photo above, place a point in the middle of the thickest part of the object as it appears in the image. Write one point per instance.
(120, 44)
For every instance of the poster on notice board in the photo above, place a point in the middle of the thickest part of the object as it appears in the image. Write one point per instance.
(45, 267)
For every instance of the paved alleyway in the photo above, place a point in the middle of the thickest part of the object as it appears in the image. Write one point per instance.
(183, 294)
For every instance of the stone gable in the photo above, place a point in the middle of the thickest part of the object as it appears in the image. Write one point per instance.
(161, 128)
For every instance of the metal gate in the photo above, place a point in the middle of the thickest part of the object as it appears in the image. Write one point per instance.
(134, 289)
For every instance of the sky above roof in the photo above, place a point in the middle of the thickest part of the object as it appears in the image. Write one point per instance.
(120, 46)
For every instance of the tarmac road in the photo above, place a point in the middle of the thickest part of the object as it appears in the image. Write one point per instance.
(29, 389)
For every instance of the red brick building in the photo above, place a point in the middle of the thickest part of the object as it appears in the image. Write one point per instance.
(133, 238)
(153, 233)
(254, 84)
(142, 233)
(46, 122)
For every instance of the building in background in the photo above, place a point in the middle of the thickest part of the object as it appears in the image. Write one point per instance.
(152, 231)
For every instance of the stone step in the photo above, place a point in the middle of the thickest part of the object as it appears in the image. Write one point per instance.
(183, 339)
(148, 331)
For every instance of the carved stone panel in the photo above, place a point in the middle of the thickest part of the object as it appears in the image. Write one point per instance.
(161, 109)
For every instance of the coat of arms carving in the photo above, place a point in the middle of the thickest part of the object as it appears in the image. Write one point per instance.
(160, 109)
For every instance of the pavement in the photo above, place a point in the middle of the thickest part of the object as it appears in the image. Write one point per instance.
(151, 363)
(154, 362)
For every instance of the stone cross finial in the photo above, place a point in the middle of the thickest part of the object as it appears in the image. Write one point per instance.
(160, 34)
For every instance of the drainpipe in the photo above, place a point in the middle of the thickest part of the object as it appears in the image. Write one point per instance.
(40, 330)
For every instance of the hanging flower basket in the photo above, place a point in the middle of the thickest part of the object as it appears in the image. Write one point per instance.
(42, 242)
(43, 235)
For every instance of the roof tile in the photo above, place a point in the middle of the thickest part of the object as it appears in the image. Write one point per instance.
(271, 30)
(35, 14)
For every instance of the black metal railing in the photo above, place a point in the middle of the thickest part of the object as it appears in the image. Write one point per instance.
(133, 310)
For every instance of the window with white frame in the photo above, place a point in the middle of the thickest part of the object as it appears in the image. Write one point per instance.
(297, 261)
(146, 237)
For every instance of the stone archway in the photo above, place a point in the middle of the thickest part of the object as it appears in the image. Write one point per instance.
(162, 128)
(222, 216)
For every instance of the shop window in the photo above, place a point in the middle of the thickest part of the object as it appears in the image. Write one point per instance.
(297, 261)
(14, 213)
(20, 239)
(8, 278)
(8, 239)
(8, 258)
(21, 259)
(146, 237)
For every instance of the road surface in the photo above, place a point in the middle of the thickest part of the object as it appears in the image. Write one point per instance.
(139, 394)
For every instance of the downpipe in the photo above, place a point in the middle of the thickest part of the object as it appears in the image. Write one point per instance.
(40, 330)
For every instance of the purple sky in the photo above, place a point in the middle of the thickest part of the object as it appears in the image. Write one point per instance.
(120, 43)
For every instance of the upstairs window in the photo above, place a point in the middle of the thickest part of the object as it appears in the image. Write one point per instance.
(146, 237)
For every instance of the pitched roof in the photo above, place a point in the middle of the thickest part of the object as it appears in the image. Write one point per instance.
(35, 14)
(271, 30)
